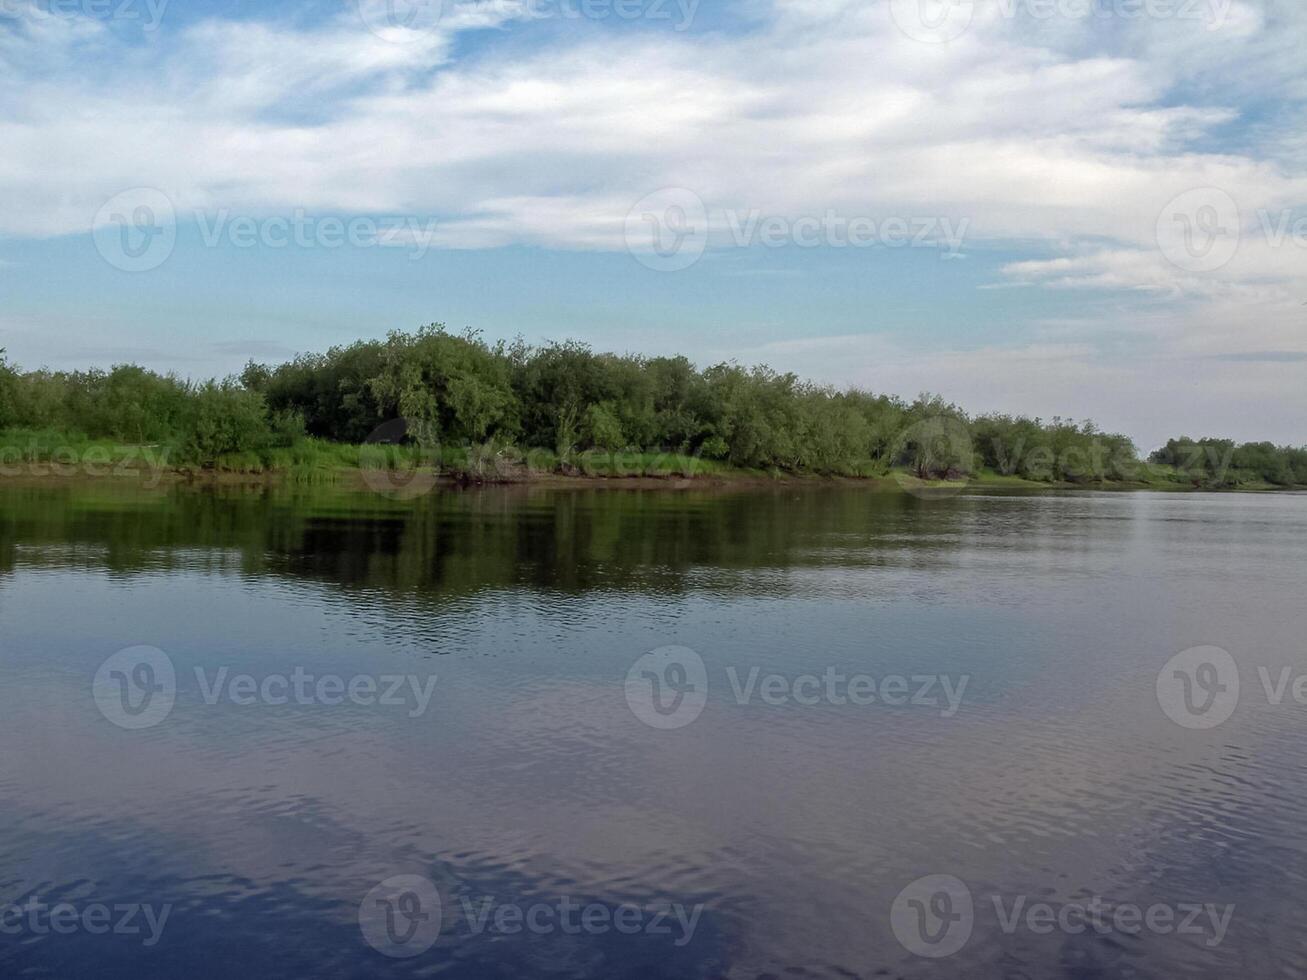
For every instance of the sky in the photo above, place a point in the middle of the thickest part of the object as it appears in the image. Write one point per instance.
(1085, 208)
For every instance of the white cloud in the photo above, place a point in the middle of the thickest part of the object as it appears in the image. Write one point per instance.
(1062, 137)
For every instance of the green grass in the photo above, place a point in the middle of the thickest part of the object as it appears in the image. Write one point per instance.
(631, 463)
(45, 452)
(989, 478)
(42, 452)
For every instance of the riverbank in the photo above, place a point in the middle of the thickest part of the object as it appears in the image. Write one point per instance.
(469, 410)
(413, 482)
(41, 457)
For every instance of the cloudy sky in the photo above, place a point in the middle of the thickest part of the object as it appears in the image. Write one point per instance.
(1088, 208)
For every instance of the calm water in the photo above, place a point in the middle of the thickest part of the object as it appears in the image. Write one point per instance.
(570, 820)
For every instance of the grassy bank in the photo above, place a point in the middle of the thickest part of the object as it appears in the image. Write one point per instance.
(43, 452)
(40, 454)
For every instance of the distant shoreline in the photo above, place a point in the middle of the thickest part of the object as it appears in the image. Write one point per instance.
(501, 412)
(418, 483)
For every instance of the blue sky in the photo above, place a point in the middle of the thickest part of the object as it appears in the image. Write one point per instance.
(1092, 209)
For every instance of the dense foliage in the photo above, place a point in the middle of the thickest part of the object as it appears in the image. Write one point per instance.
(1222, 463)
(457, 390)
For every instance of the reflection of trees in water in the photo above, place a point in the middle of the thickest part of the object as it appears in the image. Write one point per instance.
(569, 540)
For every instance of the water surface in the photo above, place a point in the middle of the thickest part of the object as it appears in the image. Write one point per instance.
(528, 779)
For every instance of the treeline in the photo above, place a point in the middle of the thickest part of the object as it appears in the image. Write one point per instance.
(1223, 463)
(569, 401)
(199, 424)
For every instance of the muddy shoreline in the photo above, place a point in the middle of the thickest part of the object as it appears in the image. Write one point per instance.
(396, 484)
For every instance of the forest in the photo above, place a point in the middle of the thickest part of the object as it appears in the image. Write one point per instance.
(467, 405)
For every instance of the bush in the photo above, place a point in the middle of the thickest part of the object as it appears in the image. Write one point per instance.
(224, 419)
